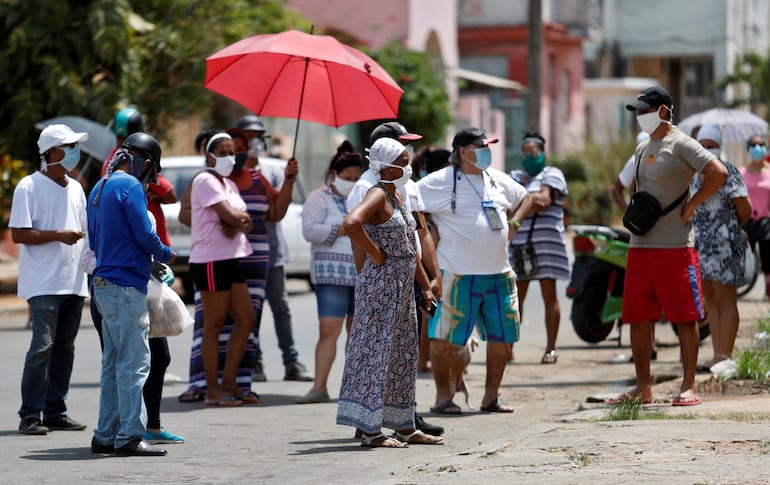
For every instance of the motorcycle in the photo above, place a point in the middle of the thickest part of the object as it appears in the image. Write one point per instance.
(596, 285)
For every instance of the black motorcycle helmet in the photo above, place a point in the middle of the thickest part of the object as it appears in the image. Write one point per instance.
(150, 148)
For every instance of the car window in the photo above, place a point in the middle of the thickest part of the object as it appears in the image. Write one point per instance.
(180, 176)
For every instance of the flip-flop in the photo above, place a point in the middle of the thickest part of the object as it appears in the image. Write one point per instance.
(447, 407)
(549, 357)
(225, 402)
(191, 395)
(248, 397)
(496, 406)
(686, 401)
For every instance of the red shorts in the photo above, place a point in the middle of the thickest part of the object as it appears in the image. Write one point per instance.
(662, 280)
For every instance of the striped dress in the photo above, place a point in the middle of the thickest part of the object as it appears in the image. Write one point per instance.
(548, 239)
(254, 268)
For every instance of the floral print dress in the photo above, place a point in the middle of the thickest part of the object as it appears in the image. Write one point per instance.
(718, 237)
(378, 382)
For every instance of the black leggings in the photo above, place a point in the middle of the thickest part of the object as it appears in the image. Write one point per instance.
(160, 358)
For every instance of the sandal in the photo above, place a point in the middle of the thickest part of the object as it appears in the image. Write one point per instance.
(192, 395)
(248, 397)
(497, 406)
(378, 441)
(447, 407)
(549, 357)
(417, 437)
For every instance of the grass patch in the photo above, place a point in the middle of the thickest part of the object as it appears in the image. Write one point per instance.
(741, 417)
(580, 459)
(633, 411)
(752, 365)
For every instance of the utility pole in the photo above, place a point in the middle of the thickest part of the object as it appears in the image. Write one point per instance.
(534, 64)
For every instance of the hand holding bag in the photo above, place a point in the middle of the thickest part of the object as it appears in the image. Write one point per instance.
(168, 313)
(523, 257)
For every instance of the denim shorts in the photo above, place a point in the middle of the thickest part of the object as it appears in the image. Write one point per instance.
(334, 301)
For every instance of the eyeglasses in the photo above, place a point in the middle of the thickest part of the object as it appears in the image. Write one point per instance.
(757, 145)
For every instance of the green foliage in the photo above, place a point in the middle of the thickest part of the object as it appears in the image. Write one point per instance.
(424, 107)
(11, 172)
(590, 176)
(753, 365)
(89, 58)
(753, 69)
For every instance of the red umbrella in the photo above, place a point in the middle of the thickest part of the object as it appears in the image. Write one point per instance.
(303, 76)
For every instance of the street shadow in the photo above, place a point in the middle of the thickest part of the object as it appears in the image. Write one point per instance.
(171, 404)
(64, 454)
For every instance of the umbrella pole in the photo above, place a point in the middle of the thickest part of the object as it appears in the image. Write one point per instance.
(301, 97)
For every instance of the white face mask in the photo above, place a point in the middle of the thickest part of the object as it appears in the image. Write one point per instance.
(649, 122)
(224, 165)
(715, 151)
(405, 175)
(342, 186)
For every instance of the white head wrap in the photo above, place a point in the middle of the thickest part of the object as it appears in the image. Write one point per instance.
(710, 132)
(383, 153)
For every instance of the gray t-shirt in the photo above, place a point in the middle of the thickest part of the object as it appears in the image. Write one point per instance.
(665, 170)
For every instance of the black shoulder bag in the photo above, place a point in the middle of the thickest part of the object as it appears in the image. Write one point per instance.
(644, 209)
(523, 257)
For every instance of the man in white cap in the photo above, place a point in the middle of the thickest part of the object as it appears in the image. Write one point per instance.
(48, 221)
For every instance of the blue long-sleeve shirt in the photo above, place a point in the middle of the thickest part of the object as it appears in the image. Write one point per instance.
(120, 232)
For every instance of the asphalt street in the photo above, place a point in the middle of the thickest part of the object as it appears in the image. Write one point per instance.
(554, 436)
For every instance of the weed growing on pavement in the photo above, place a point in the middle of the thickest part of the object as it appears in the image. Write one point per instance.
(633, 410)
(580, 459)
(753, 365)
(741, 417)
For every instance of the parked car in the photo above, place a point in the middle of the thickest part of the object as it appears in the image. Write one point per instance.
(180, 170)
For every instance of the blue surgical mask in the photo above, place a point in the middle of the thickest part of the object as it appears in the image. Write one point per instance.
(757, 152)
(483, 157)
(70, 160)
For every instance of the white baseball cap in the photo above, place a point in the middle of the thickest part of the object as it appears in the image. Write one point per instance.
(55, 135)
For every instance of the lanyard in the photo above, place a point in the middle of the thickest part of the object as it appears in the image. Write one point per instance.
(454, 188)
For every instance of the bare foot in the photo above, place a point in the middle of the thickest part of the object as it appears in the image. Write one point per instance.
(631, 396)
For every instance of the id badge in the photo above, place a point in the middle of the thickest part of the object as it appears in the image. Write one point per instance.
(493, 217)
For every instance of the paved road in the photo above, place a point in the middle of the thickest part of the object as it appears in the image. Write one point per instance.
(553, 437)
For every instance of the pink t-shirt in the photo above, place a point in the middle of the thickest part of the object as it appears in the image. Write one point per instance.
(758, 185)
(208, 242)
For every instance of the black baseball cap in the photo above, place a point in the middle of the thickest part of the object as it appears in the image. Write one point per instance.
(395, 130)
(653, 97)
(472, 136)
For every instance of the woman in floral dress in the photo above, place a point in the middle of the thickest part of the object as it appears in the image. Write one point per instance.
(378, 382)
(721, 246)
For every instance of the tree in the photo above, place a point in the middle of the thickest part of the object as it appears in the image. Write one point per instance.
(424, 106)
(751, 69)
(88, 58)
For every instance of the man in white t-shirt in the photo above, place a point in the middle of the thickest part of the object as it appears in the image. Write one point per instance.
(472, 206)
(413, 202)
(48, 221)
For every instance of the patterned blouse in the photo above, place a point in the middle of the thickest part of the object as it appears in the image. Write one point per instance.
(331, 256)
(718, 237)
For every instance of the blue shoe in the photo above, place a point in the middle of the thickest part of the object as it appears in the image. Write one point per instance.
(164, 437)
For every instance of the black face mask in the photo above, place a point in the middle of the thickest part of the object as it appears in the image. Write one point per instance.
(145, 171)
(240, 160)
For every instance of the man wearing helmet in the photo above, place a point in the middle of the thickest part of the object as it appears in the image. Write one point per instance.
(121, 236)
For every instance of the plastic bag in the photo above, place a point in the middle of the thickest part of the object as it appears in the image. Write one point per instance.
(168, 313)
(749, 266)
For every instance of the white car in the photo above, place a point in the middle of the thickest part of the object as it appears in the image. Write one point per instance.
(180, 170)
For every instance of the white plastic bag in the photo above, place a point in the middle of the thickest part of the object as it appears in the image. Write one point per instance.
(168, 313)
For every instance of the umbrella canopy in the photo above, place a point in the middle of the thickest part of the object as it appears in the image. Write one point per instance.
(737, 126)
(101, 140)
(309, 77)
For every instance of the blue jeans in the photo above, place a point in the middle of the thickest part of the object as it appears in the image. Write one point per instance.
(278, 298)
(125, 363)
(45, 381)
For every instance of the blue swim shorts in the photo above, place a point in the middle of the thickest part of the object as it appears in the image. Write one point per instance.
(490, 302)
